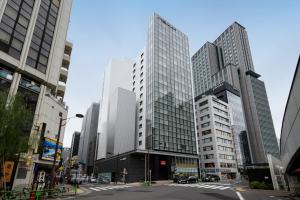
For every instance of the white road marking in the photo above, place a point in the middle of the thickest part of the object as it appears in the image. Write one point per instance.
(217, 187)
(224, 188)
(240, 196)
(94, 189)
(214, 187)
(109, 188)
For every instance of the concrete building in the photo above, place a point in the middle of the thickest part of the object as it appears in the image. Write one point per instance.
(32, 57)
(75, 143)
(290, 140)
(228, 59)
(121, 122)
(165, 142)
(117, 74)
(66, 153)
(215, 137)
(227, 93)
(88, 139)
(139, 88)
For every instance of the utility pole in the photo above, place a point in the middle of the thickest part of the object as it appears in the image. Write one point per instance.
(53, 171)
(145, 167)
(149, 178)
(117, 171)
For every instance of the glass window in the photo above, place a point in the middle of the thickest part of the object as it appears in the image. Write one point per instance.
(43, 34)
(205, 124)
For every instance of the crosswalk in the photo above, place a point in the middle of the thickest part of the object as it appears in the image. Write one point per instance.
(111, 187)
(200, 185)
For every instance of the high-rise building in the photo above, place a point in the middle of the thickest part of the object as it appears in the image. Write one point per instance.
(165, 139)
(215, 137)
(229, 60)
(169, 108)
(75, 143)
(32, 51)
(121, 122)
(88, 138)
(139, 88)
(117, 75)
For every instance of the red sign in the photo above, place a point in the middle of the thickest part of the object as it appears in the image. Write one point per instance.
(163, 162)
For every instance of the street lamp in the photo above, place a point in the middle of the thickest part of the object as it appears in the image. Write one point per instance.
(61, 120)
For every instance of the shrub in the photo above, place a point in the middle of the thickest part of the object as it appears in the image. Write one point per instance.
(255, 185)
(260, 185)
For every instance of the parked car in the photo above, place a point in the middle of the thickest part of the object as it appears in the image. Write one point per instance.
(103, 180)
(187, 179)
(192, 179)
(182, 180)
(93, 180)
(210, 178)
(176, 177)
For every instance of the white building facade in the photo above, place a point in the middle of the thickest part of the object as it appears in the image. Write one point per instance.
(121, 122)
(215, 137)
(139, 88)
(117, 75)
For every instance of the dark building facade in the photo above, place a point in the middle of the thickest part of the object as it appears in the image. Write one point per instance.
(140, 166)
(75, 143)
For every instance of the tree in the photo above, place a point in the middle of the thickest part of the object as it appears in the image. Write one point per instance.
(15, 125)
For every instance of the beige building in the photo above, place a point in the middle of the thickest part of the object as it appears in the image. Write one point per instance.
(34, 61)
(215, 137)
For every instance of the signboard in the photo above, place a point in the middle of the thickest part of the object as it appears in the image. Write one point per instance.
(8, 168)
(163, 162)
(49, 149)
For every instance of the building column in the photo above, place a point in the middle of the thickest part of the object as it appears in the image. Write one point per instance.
(2, 7)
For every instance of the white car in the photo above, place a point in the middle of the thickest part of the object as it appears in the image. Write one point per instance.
(93, 180)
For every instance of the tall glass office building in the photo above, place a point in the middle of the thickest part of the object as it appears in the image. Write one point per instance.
(230, 53)
(165, 129)
(169, 113)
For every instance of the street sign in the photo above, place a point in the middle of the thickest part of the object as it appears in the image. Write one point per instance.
(8, 168)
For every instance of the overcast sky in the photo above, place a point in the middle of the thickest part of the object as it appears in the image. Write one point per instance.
(105, 29)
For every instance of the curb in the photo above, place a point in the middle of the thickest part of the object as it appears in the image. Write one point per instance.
(67, 196)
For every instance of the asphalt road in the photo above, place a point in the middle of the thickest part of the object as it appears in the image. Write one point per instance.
(171, 192)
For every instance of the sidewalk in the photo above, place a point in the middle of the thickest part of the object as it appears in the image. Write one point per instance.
(71, 191)
(275, 193)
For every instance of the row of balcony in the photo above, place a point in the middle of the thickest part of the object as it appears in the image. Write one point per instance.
(64, 70)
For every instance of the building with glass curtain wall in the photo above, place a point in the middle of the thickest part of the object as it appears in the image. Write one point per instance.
(169, 103)
(170, 116)
(165, 143)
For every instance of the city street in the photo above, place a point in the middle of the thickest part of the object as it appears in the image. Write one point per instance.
(149, 100)
(206, 191)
